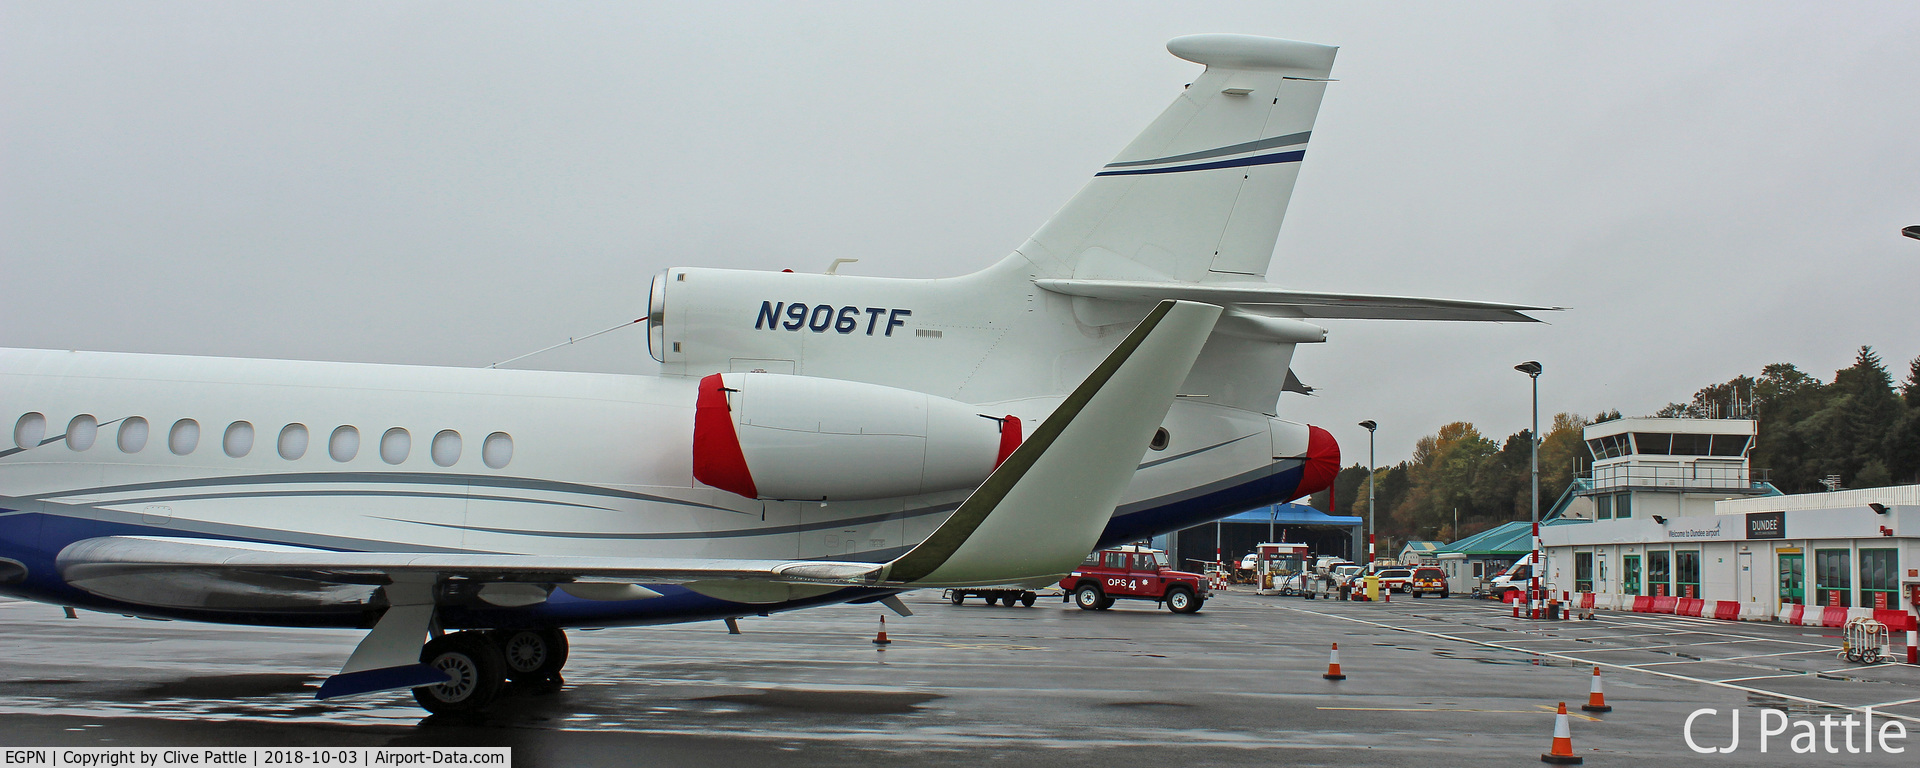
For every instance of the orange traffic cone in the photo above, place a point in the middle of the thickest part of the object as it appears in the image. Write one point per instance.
(881, 639)
(1562, 751)
(1333, 664)
(1596, 700)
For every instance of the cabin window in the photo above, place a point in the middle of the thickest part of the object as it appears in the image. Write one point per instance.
(184, 437)
(344, 444)
(133, 435)
(29, 430)
(497, 450)
(238, 441)
(446, 448)
(82, 431)
(395, 445)
(293, 441)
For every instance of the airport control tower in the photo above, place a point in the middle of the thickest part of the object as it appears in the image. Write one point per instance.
(1667, 467)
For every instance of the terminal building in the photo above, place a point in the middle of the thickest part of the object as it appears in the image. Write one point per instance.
(1672, 508)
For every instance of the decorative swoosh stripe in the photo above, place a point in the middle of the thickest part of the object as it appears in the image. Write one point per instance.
(416, 478)
(1288, 140)
(1178, 457)
(774, 530)
(377, 494)
(1282, 157)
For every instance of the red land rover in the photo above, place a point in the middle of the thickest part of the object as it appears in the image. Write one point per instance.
(1133, 573)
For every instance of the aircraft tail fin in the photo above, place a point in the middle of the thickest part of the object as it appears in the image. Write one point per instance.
(1200, 194)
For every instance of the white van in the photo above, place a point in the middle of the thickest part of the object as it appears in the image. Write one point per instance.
(1514, 579)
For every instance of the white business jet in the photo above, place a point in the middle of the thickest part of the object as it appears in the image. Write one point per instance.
(813, 438)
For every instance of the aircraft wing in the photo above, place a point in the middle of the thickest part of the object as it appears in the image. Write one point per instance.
(1272, 300)
(227, 575)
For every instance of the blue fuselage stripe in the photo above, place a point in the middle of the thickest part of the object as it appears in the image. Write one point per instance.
(1239, 162)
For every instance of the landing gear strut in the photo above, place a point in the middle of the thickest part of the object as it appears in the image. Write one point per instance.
(480, 663)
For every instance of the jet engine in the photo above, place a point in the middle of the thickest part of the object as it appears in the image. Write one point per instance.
(779, 436)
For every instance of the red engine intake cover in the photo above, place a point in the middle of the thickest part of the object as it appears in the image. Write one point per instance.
(1323, 462)
(717, 459)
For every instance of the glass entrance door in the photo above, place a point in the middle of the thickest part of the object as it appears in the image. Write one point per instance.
(1793, 580)
(1630, 574)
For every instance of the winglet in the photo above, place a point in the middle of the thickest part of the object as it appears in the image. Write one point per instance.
(1043, 509)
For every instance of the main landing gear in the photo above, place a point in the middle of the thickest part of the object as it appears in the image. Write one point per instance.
(482, 663)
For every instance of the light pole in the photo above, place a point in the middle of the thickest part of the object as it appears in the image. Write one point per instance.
(1370, 427)
(1532, 369)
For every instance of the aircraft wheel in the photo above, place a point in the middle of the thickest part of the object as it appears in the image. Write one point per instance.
(532, 654)
(476, 667)
(1088, 597)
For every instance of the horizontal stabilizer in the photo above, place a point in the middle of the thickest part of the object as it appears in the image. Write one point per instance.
(1272, 300)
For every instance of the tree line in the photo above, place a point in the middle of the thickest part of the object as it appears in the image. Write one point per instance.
(1857, 431)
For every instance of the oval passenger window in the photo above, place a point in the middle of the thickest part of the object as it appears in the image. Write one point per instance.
(133, 435)
(238, 441)
(395, 445)
(497, 450)
(293, 441)
(82, 431)
(446, 448)
(184, 437)
(29, 430)
(345, 444)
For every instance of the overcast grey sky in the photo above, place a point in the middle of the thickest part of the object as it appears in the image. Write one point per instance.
(1708, 187)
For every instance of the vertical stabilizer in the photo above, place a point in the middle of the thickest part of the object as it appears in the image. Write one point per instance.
(1200, 194)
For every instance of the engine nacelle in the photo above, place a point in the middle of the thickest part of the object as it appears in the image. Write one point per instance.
(776, 436)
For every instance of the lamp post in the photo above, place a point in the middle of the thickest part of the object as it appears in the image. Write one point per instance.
(1370, 427)
(1532, 369)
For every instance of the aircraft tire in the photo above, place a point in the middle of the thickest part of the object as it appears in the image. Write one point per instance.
(532, 655)
(1089, 598)
(477, 667)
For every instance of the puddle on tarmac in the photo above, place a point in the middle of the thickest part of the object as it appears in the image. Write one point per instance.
(1147, 705)
(831, 702)
(1526, 662)
(1792, 707)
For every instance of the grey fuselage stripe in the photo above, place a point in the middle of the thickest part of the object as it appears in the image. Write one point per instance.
(376, 494)
(773, 530)
(1195, 451)
(235, 532)
(1234, 149)
(415, 478)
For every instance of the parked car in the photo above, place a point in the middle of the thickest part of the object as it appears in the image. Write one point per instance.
(1396, 579)
(1133, 573)
(1428, 580)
